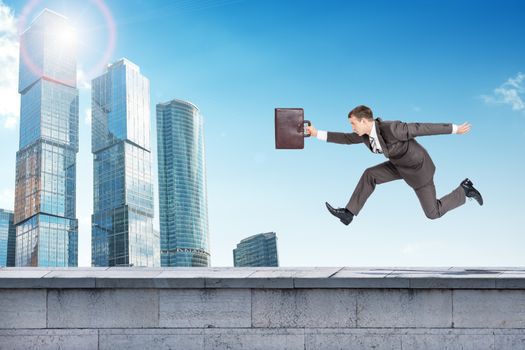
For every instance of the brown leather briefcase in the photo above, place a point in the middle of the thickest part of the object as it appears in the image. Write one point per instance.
(289, 128)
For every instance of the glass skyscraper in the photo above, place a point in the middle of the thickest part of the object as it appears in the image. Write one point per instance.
(257, 250)
(7, 238)
(45, 217)
(122, 221)
(184, 237)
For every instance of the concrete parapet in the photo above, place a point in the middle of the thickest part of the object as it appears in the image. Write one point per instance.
(262, 308)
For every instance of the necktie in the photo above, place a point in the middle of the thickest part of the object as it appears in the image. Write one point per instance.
(374, 145)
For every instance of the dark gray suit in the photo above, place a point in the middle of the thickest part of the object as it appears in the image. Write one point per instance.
(407, 160)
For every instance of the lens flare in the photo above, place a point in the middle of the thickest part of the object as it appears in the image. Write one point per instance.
(66, 37)
(69, 37)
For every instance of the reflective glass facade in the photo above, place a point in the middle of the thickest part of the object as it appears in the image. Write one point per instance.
(122, 221)
(45, 194)
(184, 237)
(258, 250)
(7, 238)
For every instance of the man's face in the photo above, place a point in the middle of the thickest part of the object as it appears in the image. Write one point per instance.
(358, 125)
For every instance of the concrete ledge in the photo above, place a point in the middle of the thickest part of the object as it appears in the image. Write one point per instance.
(262, 308)
(253, 278)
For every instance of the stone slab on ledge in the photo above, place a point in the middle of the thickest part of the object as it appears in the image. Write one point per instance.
(264, 277)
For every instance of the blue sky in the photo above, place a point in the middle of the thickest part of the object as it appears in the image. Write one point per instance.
(427, 61)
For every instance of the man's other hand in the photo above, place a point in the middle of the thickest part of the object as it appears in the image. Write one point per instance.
(311, 130)
(464, 128)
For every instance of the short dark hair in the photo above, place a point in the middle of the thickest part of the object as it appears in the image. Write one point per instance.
(361, 112)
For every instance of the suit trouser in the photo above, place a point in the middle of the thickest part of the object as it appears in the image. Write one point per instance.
(385, 172)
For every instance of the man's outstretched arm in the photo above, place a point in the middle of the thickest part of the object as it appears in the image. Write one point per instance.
(407, 131)
(335, 137)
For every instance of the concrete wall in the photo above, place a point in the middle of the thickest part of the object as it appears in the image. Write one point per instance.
(254, 308)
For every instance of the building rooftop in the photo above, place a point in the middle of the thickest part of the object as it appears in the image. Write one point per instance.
(266, 235)
(175, 101)
(123, 62)
(45, 15)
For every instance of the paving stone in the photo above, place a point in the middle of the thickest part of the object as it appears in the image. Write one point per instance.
(303, 308)
(44, 339)
(103, 308)
(340, 339)
(23, 308)
(205, 308)
(489, 308)
(140, 339)
(404, 308)
(254, 339)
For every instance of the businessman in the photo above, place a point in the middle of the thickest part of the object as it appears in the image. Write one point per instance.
(407, 160)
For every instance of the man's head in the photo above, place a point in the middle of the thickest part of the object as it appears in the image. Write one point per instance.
(361, 119)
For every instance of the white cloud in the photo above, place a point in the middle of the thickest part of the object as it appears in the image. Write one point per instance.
(10, 105)
(10, 122)
(8, 22)
(510, 93)
(87, 116)
(83, 81)
(7, 198)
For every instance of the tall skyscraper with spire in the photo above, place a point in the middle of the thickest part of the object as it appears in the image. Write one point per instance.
(45, 194)
(183, 198)
(122, 221)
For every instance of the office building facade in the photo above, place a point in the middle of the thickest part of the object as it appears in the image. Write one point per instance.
(183, 202)
(122, 221)
(7, 238)
(257, 250)
(45, 193)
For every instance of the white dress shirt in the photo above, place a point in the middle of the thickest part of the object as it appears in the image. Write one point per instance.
(373, 135)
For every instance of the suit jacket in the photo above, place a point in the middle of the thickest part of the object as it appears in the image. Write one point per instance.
(397, 139)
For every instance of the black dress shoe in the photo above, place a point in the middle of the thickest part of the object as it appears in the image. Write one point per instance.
(471, 192)
(342, 213)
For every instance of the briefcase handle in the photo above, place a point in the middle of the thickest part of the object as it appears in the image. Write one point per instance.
(302, 127)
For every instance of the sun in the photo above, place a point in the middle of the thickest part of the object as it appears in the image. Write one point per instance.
(66, 37)
(75, 36)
